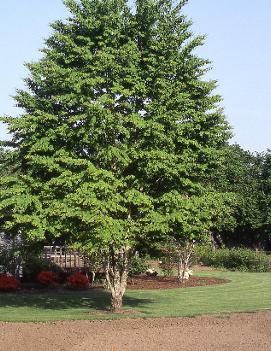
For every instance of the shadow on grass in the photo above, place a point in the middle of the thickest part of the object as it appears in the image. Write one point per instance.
(97, 299)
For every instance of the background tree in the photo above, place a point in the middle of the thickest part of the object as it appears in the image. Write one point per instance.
(266, 198)
(247, 176)
(119, 131)
(8, 162)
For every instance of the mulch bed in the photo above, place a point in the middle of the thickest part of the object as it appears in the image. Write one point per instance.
(157, 282)
(137, 282)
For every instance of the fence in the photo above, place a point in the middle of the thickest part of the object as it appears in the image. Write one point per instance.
(64, 257)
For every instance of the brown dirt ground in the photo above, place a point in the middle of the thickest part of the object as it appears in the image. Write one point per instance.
(236, 332)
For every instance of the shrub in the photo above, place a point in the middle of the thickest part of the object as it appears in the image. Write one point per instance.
(35, 264)
(138, 265)
(78, 281)
(8, 283)
(48, 278)
(234, 259)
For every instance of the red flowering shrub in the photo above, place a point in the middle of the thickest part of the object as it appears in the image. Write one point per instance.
(78, 281)
(8, 283)
(48, 278)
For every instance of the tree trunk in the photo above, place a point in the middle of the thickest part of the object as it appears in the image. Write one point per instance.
(116, 302)
(179, 268)
(116, 272)
(118, 287)
(184, 255)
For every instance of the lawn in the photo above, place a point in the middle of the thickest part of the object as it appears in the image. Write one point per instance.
(246, 292)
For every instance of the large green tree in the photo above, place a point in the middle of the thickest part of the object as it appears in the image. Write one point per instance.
(118, 132)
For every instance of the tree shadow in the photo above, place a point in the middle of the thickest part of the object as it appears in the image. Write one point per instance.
(95, 299)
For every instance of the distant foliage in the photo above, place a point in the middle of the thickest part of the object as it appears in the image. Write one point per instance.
(167, 265)
(138, 265)
(234, 259)
(48, 278)
(78, 281)
(247, 176)
(8, 283)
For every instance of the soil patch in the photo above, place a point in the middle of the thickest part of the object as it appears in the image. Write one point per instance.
(238, 332)
(148, 282)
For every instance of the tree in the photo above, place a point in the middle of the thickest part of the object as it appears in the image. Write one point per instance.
(247, 176)
(119, 129)
(265, 191)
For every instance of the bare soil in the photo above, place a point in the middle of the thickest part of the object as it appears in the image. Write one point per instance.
(236, 332)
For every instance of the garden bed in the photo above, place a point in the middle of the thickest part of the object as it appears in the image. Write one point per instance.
(157, 282)
(135, 282)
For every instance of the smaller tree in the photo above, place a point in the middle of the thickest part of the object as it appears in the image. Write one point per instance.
(184, 256)
(180, 256)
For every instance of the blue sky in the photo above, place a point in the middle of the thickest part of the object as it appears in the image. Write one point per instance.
(238, 43)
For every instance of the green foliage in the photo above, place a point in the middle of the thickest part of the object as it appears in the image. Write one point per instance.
(168, 257)
(8, 162)
(247, 176)
(234, 259)
(118, 133)
(94, 261)
(138, 265)
(167, 265)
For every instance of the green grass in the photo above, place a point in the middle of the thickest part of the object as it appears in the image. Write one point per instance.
(246, 292)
